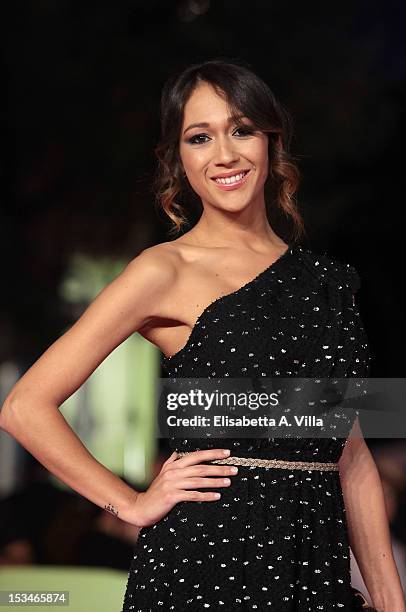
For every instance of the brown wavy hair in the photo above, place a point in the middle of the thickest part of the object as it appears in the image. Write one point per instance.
(246, 94)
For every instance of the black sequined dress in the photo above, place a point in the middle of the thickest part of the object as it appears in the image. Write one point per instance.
(276, 539)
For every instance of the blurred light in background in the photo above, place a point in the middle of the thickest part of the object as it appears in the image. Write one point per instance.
(113, 411)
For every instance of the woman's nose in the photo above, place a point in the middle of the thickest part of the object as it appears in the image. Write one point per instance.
(225, 150)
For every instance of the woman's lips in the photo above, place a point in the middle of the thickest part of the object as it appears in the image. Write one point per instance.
(235, 185)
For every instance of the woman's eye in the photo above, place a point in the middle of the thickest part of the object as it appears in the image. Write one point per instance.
(244, 131)
(193, 139)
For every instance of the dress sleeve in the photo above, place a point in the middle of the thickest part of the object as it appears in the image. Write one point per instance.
(354, 280)
(344, 272)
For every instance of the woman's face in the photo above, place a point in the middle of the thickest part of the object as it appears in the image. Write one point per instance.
(220, 148)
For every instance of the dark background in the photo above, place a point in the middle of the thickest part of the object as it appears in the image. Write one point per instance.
(81, 119)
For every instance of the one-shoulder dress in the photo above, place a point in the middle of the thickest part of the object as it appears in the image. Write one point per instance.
(277, 538)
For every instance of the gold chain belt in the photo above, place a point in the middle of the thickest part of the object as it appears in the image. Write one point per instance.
(276, 463)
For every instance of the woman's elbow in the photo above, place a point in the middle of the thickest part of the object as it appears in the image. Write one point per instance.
(6, 413)
(356, 462)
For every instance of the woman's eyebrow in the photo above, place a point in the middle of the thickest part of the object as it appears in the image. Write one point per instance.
(205, 124)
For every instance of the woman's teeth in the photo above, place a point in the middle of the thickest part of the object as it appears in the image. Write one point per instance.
(231, 179)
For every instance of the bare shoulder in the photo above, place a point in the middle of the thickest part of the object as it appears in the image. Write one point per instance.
(157, 266)
(157, 274)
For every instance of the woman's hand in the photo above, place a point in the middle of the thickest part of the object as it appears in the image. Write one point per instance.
(176, 482)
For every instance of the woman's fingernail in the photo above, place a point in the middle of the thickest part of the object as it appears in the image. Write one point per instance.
(226, 451)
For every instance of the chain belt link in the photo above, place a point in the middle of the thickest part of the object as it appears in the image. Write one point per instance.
(276, 463)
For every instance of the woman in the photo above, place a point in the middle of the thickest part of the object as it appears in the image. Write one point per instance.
(227, 298)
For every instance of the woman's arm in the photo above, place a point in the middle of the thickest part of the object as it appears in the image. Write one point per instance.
(31, 412)
(368, 526)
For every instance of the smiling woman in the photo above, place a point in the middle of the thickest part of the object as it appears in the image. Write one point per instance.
(227, 299)
(243, 303)
(247, 130)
